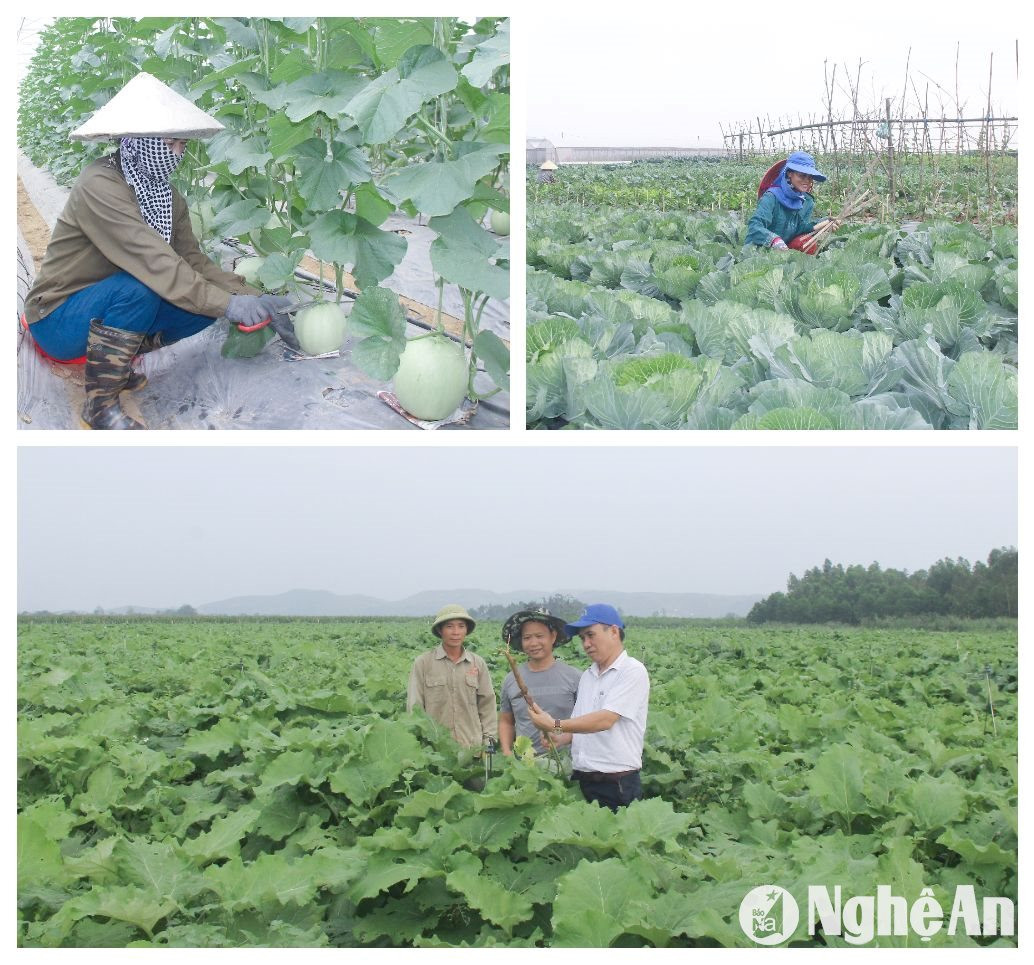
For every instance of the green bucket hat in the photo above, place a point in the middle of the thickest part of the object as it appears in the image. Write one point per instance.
(452, 611)
(514, 622)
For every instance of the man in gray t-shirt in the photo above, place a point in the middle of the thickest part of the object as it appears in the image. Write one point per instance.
(553, 684)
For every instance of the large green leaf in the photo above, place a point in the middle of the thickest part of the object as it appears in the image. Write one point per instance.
(492, 830)
(651, 823)
(291, 767)
(324, 172)
(387, 750)
(592, 903)
(384, 870)
(492, 899)
(346, 239)
(138, 906)
(325, 93)
(382, 108)
(223, 736)
(39, 857)
(924, 371)
(285, 135)
(371, 205)
(491, 349)
(976, 854)
(239, 33)
(223, 838)
(103, 790)
(158, 866)
(377, 316)
(936, 802)
(490, 54)
(787, 419)
(392, 38)
(464, 253)
(238, 153)
(438, 186)
(240, 217)
(984, 391)
(837, 782)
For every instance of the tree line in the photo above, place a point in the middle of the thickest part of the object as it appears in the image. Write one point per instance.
(559, 604)
(833, 593)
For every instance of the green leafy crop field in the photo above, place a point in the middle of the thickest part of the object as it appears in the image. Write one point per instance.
(647, 311)
(241, 783)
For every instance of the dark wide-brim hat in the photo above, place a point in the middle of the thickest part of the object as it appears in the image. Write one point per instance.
(515, 621)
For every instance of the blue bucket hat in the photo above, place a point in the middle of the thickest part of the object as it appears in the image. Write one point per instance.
(596, 613)
(804, 163)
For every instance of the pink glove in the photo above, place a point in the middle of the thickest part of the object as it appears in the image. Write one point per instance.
(778, 244)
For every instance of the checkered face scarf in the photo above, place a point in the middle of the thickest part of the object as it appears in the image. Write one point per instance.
(147, 163)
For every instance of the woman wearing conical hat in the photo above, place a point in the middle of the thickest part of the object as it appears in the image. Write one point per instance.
(123, 273)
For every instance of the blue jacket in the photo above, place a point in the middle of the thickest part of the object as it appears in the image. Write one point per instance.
(771, 219)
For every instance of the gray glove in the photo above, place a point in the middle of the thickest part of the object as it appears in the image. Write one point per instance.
(246, 310)
(276, 304)
(277, 307)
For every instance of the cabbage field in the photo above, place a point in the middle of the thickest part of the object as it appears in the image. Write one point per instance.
(216, 782)
(646, 311)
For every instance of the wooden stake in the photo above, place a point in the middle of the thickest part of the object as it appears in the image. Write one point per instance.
(890, 152)
(524, 693)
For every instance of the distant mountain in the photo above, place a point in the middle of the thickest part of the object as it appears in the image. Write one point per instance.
(320, 603)
(310, 603)
(428, 602)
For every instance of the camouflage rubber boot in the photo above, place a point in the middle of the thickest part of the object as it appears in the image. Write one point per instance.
(137, 380)
(109, 365)
(152, 342)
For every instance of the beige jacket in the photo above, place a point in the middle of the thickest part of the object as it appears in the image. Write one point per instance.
(101, 232)
(458, 695)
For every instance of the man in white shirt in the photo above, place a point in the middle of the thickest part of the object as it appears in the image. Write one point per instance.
(609, 717)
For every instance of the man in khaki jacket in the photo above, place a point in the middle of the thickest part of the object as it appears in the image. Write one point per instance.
(123, 273)
(452, 684)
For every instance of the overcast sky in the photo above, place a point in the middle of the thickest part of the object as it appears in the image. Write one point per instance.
(166, 526)
(666, 74)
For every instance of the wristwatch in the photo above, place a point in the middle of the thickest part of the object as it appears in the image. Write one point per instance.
(557, 729)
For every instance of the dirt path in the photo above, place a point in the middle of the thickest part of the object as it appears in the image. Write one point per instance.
(34, 229)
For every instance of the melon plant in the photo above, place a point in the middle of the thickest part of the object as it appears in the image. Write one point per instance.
(500, 222)
(431, 380)
(320, 328)
(248, 268)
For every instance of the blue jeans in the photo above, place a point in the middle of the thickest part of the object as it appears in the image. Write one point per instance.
(119, 301)
(611, 793)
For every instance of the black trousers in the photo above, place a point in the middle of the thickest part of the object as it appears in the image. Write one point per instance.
(612, 793)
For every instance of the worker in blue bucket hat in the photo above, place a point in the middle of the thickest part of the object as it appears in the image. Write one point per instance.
(782, 218)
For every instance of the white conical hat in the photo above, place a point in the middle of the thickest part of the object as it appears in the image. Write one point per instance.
(146, 107)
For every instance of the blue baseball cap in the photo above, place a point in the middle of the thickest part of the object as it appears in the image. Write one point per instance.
(596, 613)
(804, 163)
